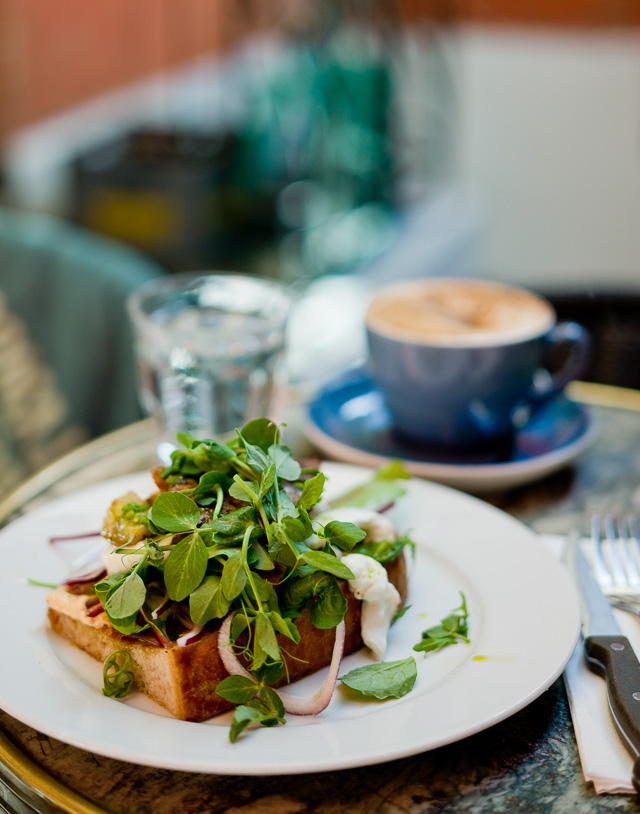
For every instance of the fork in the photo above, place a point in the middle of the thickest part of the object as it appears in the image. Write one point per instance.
(616, 569)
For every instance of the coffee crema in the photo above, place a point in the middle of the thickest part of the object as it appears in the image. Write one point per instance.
(459, 312)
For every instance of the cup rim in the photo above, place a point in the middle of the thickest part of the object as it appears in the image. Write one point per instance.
(461, 341)
(175, 281)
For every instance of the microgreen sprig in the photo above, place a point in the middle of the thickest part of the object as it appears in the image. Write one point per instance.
(118, 681)
(452, 629)
(257, 703)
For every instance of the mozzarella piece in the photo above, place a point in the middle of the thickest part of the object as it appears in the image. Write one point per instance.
(314, 542)
(115, 560)
(377, 526)
(380, 599)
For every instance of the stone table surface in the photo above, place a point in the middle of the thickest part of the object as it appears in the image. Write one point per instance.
(526, 763)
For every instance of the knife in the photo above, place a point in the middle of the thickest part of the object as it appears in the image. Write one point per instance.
(611, 655)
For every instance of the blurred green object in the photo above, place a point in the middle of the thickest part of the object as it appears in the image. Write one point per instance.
(319, 144)
(321, 113)
(68, 287)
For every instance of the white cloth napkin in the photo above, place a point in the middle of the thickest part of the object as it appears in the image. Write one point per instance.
(605, 761)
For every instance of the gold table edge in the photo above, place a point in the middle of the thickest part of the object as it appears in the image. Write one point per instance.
(604, 395)
(72, 462)
(42, 782)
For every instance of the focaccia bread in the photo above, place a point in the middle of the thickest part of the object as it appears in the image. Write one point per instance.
(236, 565)
(183, 679)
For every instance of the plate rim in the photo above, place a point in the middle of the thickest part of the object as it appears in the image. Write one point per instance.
(340, 762)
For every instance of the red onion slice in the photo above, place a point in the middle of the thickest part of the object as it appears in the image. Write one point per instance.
(95, 610)
(89, 576)
(154, 629)
(161, 608)
(225, 649)
(65, 537)
(295, 705)
(161, 639)
(190, 636)
(316, 703)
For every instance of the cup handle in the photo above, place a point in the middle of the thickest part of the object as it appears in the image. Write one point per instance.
(577, 340)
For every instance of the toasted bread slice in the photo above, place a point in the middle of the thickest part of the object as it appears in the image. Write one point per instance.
(184, 679)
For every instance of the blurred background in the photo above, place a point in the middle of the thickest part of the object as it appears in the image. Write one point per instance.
(336, 145)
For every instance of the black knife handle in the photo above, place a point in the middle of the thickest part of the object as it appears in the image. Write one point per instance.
(613, 657)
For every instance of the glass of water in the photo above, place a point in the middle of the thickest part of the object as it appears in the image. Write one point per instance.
(208, 349)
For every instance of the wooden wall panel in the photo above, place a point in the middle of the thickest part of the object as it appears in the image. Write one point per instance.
(565, 13)
(56, 53)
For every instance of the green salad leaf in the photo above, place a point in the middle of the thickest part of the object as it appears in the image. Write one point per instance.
(185, 567)
(452, 629)
(311, 492)
(126, 598)
(388, 679)
(343, 535)
(327, 562)
(208, 601)
(173, 511)
(378, 492)
(329, 603)
(384, 550)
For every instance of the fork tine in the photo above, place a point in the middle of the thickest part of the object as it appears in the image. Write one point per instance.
(614, 558)
(621, 589)
(634, 537)
(599, 565)
(633, 576)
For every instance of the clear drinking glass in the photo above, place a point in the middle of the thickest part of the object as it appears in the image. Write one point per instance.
(208, 348)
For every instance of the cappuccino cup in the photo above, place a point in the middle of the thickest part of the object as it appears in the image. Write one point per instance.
(460, 362)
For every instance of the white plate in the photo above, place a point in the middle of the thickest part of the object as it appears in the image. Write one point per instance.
(524, 622)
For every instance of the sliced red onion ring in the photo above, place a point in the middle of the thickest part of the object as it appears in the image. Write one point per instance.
(154, 629)
(189, 637)
(316, 703)
(65, 537)
(229, 659)
(161, 608)
(89, 576)
(164, 642)
(293, 704)
(95, 610)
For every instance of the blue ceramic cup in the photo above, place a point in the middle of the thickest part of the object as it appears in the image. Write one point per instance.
(461, 362)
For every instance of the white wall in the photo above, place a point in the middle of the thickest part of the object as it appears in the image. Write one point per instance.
(549, 152)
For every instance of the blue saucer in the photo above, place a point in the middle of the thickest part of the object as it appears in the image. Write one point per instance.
(349, 420)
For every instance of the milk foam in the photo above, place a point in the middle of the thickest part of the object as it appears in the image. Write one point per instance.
(458, 312)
